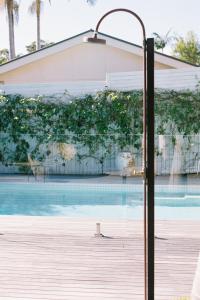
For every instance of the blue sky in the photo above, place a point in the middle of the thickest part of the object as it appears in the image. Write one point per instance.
(65, 18)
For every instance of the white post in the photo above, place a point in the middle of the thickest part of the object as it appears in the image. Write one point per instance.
(98, 230)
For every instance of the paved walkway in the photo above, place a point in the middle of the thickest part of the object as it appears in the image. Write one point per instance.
(56, 258)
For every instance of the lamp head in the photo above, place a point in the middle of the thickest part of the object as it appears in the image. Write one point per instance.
(95, 40)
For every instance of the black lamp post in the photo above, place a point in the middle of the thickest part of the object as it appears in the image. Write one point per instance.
(148, 148)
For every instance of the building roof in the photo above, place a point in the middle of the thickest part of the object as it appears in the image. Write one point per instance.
(78, 39)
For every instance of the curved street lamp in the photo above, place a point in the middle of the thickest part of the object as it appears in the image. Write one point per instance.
(148, 147)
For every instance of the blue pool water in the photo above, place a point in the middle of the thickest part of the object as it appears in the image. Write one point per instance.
(96, 201)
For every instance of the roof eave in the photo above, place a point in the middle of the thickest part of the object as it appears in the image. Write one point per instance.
(77, 39)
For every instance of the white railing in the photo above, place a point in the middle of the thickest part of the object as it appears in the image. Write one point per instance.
(168, 79)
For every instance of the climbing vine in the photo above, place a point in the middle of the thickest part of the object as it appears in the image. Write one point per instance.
(93, 121)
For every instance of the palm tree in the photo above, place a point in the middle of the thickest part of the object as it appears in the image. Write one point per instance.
(35, 9)
(162, 41)
(12, 8)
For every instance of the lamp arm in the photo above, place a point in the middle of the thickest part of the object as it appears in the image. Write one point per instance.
(122, 10)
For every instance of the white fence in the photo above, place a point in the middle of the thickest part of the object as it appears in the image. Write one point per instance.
(168, 79)
(182, 158)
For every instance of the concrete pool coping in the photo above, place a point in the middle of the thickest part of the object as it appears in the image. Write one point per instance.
(105, 186)
(190, 179)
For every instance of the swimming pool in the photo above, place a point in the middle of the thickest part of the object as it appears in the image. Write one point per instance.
(108, 201)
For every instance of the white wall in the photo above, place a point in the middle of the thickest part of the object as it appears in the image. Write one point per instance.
(73, 88)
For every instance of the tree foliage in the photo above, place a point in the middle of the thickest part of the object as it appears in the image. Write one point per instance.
(188, 48)
(4, 56)
(32, 47)
(162, 41)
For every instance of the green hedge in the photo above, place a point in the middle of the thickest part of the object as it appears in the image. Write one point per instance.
(107, 118)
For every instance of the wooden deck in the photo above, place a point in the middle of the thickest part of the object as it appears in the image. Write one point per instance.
(56, 258)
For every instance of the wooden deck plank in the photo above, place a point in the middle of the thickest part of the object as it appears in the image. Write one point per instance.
(56, 258)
